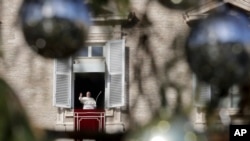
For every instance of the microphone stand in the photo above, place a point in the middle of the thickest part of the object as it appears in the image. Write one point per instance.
(98, 96)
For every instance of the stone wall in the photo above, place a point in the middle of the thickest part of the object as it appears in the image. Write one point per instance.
(30, 75)
(158, 65)
(154, 67)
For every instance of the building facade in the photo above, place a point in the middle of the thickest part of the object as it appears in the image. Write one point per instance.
(129, 62)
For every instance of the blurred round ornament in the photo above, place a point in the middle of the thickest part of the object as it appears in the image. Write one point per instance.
(55, 28)
(180, 4)
(217, 48)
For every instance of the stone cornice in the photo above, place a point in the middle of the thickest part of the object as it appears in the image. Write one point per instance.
(202, 10)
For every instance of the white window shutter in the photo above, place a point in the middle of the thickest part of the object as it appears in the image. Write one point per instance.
(62, 83)
(202, 93)
(115, 58)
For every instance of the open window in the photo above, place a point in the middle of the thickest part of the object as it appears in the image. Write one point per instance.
(203, 93)
(93, 82)
(104, 65)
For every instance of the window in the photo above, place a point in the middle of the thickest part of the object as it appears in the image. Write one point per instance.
(91, 51)
(114, 53)
(97, 51)
(83, 52)
(203, 93)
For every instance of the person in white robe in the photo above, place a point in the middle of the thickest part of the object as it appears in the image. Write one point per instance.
(87, 101)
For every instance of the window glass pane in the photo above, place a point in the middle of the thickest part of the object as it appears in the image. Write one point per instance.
(97, 51)
(225, 102)
(235, 101)
(83, 52)
(234, 93)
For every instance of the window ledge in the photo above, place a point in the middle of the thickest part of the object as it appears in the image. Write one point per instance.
(107, 113)
(100, 57)
(69, 114)
(65, 123)
(232, 111)
(112, 19)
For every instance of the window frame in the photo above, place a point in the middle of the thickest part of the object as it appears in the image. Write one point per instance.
(229, 98)
(89, 46)
(108, 73)
(200, 108)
